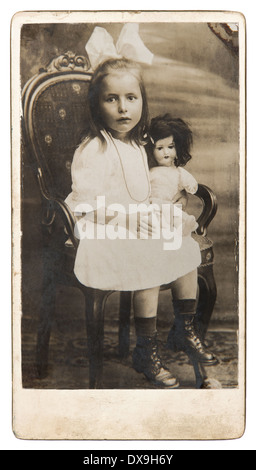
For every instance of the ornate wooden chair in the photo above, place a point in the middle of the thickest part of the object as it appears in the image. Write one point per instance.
(53, 122)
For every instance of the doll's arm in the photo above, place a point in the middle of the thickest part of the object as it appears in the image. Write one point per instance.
(187, 181)
(181, 197)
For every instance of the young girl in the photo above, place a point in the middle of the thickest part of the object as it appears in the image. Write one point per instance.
(110, 168)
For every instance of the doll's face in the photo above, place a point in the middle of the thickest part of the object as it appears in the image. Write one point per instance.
(165, 151)
(120, 103)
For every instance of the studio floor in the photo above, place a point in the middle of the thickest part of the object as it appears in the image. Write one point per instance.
(68, 362)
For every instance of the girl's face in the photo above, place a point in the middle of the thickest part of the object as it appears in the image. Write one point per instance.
(165, 151)
(120, 103)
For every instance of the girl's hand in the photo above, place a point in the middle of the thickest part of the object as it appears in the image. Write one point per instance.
(147, 224)
(189, 224)
(181, 198)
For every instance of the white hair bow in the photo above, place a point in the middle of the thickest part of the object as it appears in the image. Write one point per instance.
(100, 46)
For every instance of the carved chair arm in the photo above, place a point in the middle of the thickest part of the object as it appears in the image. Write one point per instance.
(209, 200)
(68, 219)
(57, 205)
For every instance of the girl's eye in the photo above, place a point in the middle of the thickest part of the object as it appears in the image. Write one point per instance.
(132, 98)
(172, 146)
(159, 148)
(111, 99)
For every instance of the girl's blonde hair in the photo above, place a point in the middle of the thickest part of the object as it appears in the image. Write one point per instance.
(95, 121)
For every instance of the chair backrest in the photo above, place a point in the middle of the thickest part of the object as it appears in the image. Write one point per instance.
(55, 119)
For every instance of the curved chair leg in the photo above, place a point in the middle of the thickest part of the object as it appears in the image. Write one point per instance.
(206, 300)
(53, 258)
(124, 324)
(200, 374)
(94, 303)
(203, 380)
(47, 310)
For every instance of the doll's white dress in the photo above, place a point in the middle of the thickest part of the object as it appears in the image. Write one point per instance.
(118, 174)
(166, 182)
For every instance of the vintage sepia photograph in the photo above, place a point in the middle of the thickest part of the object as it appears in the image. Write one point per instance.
(128, 196)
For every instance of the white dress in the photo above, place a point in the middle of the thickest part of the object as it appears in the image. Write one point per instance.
(167, 181)
(119, 174)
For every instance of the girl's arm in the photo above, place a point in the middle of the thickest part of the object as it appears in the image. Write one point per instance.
(137, 222)
(90, 172)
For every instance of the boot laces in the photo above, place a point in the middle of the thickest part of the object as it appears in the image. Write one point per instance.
(189, 327)
(155, 357)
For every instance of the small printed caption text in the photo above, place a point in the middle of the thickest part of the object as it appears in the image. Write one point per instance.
(137, 459)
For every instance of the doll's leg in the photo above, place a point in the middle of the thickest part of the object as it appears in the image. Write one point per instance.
(145, 355)
(183, 335)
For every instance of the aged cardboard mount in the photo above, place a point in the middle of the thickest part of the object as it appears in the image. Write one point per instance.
(70, 381)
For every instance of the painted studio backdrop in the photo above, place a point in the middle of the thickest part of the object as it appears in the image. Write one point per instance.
(195, 76)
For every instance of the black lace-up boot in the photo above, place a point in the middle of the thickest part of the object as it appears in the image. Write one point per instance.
(146, 360)
(183, 336)
(145, 355)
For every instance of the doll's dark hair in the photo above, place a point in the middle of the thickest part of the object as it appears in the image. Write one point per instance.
(165, 126)
(95, 121)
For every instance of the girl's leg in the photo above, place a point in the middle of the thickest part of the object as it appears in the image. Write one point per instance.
(183, 335)
(145, 355)
(145, 302)
(185, 287)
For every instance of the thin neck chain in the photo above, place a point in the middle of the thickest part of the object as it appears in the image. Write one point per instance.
(126, 184)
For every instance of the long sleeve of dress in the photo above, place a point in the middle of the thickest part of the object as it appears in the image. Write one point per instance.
(90, 171)
(187, 181)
